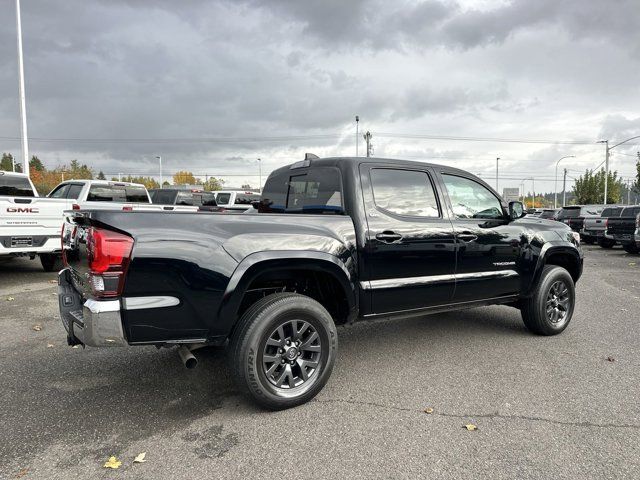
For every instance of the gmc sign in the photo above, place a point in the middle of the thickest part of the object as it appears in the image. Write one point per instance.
(22, 210)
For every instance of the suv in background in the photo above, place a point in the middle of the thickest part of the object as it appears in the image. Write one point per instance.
(233, 200)
(205, 201)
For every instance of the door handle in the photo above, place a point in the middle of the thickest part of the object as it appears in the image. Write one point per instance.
(467, 236)
(388, 237)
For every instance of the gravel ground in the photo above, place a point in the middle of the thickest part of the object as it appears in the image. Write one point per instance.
(545, 407)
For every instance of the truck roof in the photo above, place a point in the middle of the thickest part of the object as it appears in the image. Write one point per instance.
(102, 182)
(12, 174)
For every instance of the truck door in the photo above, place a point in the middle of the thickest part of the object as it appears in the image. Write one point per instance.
(488, 245)
(409, 249)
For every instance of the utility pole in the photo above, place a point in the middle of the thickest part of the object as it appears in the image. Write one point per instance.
(555, 195)
(564, 188)
(606, 171)
(367, 137)
(497, 160)
(160, 160)
(357, 134)
(23, 106)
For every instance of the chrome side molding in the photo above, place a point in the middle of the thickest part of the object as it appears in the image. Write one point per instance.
(139, 303)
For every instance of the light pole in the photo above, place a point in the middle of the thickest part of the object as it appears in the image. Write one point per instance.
(160, 160)
(606, 161)
(23, 107)
(555, 195)
(357, 139)
(260, 175)
(497, 160)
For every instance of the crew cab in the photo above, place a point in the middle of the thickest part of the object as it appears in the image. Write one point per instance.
(334, 240)
(204, 201)
(236, 200)
(574, 216)
(595, 227)
(625, 229)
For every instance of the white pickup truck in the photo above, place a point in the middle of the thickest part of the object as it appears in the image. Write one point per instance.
(30, 225)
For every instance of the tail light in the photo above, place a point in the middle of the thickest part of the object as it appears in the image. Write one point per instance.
(75, 206)
(127, 208)
(108, 254)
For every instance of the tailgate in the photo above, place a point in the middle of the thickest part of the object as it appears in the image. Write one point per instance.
(31, 217)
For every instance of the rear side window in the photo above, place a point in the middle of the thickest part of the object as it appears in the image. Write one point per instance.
(207, 199)
(611, 212)
(223, 198)
(404, 192)
(319, 190)
(631, 212)
(15, 186)
(59, 192)
(185, 198)
(246, 198)
(74, 191)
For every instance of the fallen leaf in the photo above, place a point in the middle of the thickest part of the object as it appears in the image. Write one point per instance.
(76, 346)
(53, 281)
(611, 359)
(113, 462)
(37, 328)
(632, 264)
(471, 427)
(10, 299)
(428, 410)
(140, 458)
(50, 345)
(22, 473)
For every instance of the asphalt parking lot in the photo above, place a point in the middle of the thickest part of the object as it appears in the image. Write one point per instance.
(556, 407)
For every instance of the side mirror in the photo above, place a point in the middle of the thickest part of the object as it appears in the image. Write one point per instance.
(516, 210)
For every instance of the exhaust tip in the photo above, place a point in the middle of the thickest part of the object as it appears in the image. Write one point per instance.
(188, 359)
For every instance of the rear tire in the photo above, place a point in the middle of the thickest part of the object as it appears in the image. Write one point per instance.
(631, 248)
(606, 243)
(283, 350)
(549, 310)
(51, 262)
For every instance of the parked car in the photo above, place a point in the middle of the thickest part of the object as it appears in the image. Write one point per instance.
(625, 229)
(239, 201)
(594, 227)
(335, 240)
(205, 201)
(574, 215)
(30, 225)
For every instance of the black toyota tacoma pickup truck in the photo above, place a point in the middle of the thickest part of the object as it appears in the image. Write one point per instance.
(625, 229)
(331, 241)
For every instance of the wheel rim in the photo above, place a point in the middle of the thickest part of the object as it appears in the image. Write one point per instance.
(558, 303)
(291, 355)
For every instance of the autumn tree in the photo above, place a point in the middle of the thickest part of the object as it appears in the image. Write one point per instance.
(36, 164)
(6, 163)
(148, 182)
(184, 178)
(101, 176)
(213, 183)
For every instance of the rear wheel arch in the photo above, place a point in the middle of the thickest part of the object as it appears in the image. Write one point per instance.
(260, 274)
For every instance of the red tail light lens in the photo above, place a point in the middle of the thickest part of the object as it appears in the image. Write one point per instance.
(75, 206)
(108, 253)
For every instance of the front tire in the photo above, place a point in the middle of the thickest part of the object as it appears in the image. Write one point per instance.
(51, 262)
(549, 310)
(283, 350)
(631, 248)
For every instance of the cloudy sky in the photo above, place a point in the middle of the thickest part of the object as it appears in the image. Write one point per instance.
(214, 85)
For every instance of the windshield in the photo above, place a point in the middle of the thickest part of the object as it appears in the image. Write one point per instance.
(13, 186)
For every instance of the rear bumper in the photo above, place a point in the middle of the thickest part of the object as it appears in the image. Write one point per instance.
(88, 322)
(626, 238)
(29, 244)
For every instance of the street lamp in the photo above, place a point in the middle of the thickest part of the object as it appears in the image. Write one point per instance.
(555, 195)
(160, 160)
(606, 161)
(357, 124)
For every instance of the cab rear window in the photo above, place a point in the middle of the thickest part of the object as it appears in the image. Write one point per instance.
(318, 190)
(15, 186)
(117, 193)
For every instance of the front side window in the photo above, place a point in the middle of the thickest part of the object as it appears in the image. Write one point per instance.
(223, 198)
(469, 199)
(136, 195)
(59, 192)
(404, 192)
